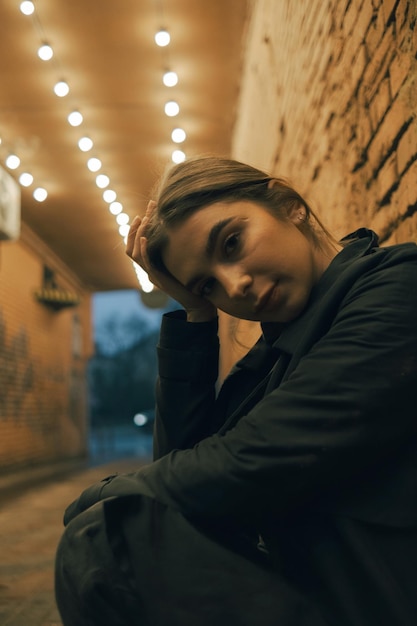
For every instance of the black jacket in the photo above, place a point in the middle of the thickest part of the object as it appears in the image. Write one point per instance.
(311, 442)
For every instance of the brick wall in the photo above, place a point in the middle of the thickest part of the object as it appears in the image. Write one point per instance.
(43, 402)
(329, 100)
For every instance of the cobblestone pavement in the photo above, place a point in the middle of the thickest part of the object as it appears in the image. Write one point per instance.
(30, 528)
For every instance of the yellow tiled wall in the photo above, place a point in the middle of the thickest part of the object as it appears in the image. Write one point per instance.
(43, 353)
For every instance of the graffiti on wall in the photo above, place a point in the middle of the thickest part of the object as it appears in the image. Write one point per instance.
(30, 393)
(16, 372)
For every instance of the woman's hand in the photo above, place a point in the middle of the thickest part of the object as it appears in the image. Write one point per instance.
(198, 309)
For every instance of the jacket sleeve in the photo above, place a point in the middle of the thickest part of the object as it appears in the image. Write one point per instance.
(188, 357)
(349, 405)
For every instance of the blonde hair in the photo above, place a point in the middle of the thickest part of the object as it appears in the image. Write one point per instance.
(201, 181)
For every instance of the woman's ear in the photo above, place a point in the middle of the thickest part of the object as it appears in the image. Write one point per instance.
(297, 214)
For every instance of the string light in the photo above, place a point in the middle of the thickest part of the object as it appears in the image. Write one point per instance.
(178, 135)
(170, 79)
(178, 156)
(124, 230)
(12, 161)
(27, 8)
(85, 144)
(142, 276)
(172, 108)
(162, 38)
(109, 195)
(45, 52)
(40, 194)
(75, 118)
(122, 218)
(102, 181)
(115, 208)
(61, 89)
(25, 179)
(94, 164)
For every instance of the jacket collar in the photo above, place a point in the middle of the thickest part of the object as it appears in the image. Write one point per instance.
(278, 338)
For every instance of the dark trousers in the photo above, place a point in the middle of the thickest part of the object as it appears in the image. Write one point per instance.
(134, 562)
(90, 586)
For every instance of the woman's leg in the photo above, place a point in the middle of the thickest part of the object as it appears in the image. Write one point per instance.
(91, 589)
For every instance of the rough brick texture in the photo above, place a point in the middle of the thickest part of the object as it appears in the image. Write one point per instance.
(328, 100)
(43, 401)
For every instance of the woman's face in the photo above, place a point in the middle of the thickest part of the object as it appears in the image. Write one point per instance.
(245, 261)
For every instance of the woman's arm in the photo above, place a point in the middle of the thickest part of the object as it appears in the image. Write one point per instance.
(188, 367)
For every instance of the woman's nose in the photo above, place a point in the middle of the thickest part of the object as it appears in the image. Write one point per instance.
(235, 282)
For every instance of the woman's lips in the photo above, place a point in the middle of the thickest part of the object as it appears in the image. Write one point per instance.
(266, 299)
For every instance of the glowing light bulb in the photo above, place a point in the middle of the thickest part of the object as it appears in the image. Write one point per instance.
(109, 195)
(27, 8)
(115, 208)
(178, 156)
(61, 89)
(162, 38)
(102, 181)
(122, 219)
(178, 135)
(75, 118)
(124, 230)
(94, 164)
(25, 179)
(45, 52)
(172, 109)
(143, 278)
(85, 144)
(12, 161)
(170, 79)
(40, 194)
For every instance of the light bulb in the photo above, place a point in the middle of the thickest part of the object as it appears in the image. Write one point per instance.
(12, 161)
(27, 8)
(61, 89)
(40, 194)
(122, 219)
(172, 109)
(102, 181)
(178, 156)
(170, 79)
(115, 208)
(143, 278)
(25, 179)
(178, 135)
(85, 144)
(162, 38)
(94, 164)
(124, 230)
(75, 118)
(45, 52)
(109, 195)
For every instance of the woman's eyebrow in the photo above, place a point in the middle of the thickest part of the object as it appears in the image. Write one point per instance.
(214, 235)
(210, 247)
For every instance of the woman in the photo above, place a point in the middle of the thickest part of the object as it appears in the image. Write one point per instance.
(295, 486)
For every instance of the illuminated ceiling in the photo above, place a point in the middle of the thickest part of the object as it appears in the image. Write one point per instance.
(105, 51)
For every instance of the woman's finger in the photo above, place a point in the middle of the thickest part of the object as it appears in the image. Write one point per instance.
(150, 208)
(131, 237)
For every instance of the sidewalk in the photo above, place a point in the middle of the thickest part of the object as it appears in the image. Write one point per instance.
(30, 528)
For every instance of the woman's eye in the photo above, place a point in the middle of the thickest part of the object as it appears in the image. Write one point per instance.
(231, 243)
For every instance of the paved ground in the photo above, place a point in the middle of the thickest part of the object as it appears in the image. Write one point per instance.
(30, 528)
